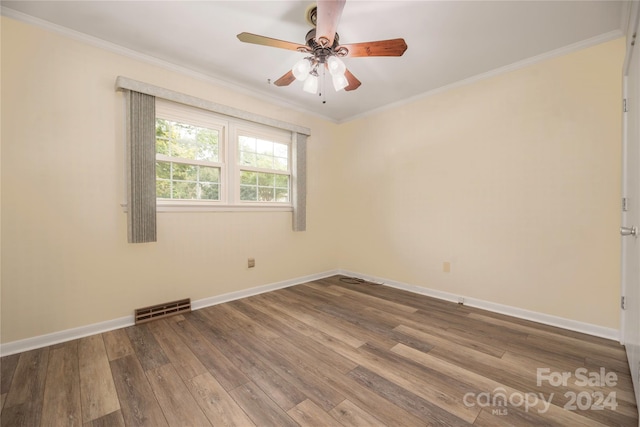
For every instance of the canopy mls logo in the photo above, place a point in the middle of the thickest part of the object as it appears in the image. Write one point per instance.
(499, 400)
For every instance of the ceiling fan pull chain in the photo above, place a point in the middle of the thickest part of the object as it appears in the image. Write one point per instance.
(322, 85)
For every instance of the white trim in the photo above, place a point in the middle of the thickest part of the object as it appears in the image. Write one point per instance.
(165, 206)
(623, 188)
(122, 322)
(273, 97)
(520, 313)
(625, 17)
(631, 29)
(232, 296)
(109, 325)
(26, 344)
(612, 35)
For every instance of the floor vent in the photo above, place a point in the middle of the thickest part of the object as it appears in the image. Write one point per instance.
(159, 311)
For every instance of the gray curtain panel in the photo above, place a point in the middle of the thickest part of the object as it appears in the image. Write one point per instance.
(141, 170)
(299, 185)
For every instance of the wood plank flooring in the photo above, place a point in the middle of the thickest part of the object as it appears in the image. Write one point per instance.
(326, 353)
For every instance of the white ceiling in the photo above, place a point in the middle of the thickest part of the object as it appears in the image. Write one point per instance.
(449, 41)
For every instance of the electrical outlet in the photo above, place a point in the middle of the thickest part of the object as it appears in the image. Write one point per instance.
(251, 262)
(446, 267)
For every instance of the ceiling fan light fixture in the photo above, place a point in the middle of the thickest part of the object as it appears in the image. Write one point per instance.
(336, 66)
(339, 82)
(301, 69)
(311, 84)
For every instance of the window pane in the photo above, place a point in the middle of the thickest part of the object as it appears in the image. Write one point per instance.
(162, 146)
(264, 161)
(162, 128)
(163, 170)
(265, 194)
(163, 189)
(266, 179)
(184, 190)
(282, 181)
(264, 187)
(247, 159)
(282, 195)
(187, 141)
(180, 181)
(281, 150)
(210, 191)
(263, 154)
(209, 174)
(185, 172)
(264, 147)
(248, 193)
(280, 163)
(207, 148)
(250, 178)
(247, 144)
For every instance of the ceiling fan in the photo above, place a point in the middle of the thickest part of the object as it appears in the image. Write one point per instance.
(322, 44)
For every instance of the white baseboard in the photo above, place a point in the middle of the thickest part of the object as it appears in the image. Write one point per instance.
(66, 335)
(109, 325)
(547, 319)
(232, 296)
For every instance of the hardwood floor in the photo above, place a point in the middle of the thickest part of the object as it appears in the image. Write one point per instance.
(326, 353)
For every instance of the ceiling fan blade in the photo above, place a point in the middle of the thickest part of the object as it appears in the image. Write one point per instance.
(393, 47)
(267, 41)
(354, 83)
(328, 15)
(285, 80)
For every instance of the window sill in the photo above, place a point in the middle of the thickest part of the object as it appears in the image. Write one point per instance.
(199, 207)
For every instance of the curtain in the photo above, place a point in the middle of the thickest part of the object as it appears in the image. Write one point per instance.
(141, 151)
(141, 167)
(299, 185)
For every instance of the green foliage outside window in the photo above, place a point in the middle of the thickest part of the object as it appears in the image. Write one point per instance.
(181, 179)
(262, 186)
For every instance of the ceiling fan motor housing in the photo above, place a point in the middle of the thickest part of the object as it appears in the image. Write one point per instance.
(320, 52)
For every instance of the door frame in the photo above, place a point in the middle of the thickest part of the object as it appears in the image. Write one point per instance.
(632, 20)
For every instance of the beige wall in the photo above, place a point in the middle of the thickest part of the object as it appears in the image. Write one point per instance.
(66, 260)
(514, 180)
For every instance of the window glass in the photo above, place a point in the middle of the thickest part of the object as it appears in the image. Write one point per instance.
(264, 169)
(183, 152)
(204, 157)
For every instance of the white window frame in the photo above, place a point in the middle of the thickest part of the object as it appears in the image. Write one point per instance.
(230, 129)
(269, 134)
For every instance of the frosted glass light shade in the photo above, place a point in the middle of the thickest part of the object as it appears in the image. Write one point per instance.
(301, 69)
(311, 84)
(339, 81)
(336, 66)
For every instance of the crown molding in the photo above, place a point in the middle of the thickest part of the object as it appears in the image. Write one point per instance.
(213, 79)
(612, 35)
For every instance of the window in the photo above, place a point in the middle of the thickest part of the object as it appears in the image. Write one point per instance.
(264, 169)
(206, 159)
(187, 161)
